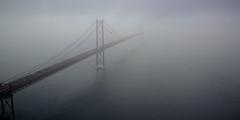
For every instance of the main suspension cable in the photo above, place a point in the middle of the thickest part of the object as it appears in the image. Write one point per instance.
(62, 52)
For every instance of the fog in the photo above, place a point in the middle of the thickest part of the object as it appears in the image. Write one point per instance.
(184, 66)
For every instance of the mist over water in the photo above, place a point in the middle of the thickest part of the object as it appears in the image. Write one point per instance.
(184, 66)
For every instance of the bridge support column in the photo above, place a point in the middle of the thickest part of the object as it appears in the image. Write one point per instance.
(7, 108)
(100, 60)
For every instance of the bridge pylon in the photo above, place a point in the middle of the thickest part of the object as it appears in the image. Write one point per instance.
(100, 58)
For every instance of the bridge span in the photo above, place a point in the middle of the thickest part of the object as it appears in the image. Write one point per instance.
(22, 82)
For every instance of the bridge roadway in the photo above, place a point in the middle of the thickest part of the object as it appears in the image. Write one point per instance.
(27, 80)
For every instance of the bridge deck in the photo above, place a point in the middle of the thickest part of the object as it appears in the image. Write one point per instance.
(22, 82)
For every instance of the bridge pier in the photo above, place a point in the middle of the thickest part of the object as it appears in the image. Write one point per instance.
(7, 108)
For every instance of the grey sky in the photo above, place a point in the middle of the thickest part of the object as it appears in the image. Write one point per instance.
(149, 8)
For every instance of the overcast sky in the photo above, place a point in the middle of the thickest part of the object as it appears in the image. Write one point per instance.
(145, 8)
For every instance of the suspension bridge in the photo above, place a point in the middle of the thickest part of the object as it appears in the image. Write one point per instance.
(41, 71)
